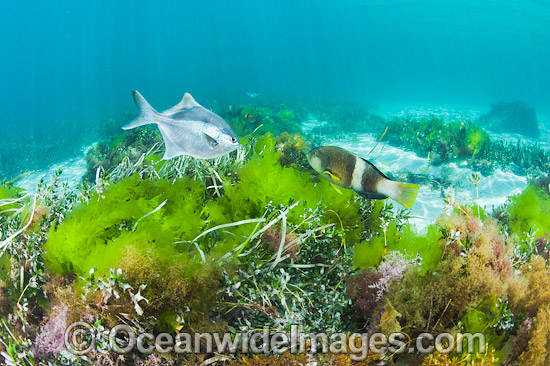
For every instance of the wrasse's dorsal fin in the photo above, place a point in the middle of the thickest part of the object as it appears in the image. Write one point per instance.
(186, 102)
(334, 177)
(375, 168)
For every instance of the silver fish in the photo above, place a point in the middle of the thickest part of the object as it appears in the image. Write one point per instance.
(253, 94)
(187, 128)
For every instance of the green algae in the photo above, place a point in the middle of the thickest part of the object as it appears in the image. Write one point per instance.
(8, 193)
(285, 185)
(94, 234)
(159, 213)
(405, 240)
(274, 118)
(476, 139)
(485, 319)
(529, 212)
(444, 141)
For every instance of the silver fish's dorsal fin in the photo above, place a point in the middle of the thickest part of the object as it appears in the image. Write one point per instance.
(186, 102)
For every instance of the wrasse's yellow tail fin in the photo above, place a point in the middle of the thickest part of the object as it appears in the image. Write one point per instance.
(406, 194)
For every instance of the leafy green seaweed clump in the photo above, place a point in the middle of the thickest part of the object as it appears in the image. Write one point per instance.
(165, 211)
(8, 195)
(405, 240)
(263, 180)
(95, 234)
(529, 212)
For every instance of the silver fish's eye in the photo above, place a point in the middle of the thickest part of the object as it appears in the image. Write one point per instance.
(233, 140)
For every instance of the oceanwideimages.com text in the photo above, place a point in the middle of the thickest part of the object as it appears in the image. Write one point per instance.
(82, 338)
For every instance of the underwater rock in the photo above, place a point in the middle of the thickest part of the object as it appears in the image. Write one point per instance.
(516, 117)
(543, 183)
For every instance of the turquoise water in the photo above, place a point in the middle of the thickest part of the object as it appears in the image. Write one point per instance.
(442, 106)
(68, 67)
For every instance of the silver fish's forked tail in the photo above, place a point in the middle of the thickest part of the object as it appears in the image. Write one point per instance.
(147, 114)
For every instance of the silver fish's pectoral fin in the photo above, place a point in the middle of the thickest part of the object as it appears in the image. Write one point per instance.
(372, 196)
(212, 142)
(186, 102)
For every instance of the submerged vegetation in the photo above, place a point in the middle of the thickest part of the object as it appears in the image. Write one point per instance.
(275, 118)
(438, 140)
(256, 240)
(442, 141)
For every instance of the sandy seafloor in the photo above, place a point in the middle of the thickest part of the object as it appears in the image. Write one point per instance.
(73, 171)
(493, 189)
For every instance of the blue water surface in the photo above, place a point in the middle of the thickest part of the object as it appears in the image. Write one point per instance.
(67, 66)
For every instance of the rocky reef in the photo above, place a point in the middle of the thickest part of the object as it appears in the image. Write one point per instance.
(516, 117)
